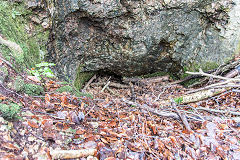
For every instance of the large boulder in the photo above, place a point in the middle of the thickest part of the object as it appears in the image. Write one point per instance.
(133, 37)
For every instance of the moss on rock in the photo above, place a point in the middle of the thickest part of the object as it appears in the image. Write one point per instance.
(82, 77)
(155, 74)
(33, 89)
(3, 73)
(14, 21)
(18, 84)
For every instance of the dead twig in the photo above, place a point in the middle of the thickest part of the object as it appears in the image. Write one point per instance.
(219, 111)
(183, 117)
(111, 91)
(89, 82)
(159, 113)
(8, 63)
(105, 86)
(213, 76)
(112, 84)
(71, 154)
(8, 91)
(11, 66)
(144, 81)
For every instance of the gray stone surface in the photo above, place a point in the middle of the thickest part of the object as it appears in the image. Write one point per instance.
(133, 37)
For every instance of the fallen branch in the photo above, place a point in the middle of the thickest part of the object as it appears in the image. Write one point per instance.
(146, 80)
(157, 112)
(221, 69)
(11, 66)
(219, 111)
(195, 97)
(213, 76)
(11, 45)
(183, 118)
(105, 86)
(112, 84)
(71, 154)
(205, 92)
(89, 82)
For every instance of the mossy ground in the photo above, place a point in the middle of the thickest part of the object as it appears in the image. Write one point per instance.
(155, 74)
(10, 111)
(28, 88)
(33, 89)
(73, 91)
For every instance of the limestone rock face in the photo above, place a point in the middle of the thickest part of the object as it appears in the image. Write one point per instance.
(133, 37)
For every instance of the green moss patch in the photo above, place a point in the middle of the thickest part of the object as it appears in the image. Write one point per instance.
(82, 77)
(10, 112)
(3, 73)
(72, 91)
(13, 22)
(30, 89)
(33, 90)
(155, 74)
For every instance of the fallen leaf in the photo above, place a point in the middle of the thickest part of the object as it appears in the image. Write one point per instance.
(47, 98)
(36, 103)
(223, 126)
(80, 131)
(104, 140)
(33, 124)
(9, 146)
(64, 100)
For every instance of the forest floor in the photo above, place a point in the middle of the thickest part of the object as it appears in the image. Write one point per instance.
(120, 122)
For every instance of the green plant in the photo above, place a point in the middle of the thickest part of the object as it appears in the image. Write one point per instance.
(43, 69)
(10, 112)
(15, 13)
(178, 100)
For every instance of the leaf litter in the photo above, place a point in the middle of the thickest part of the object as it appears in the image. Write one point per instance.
(121, 124)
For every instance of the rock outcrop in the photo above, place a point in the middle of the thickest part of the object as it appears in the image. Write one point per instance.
(131, 37)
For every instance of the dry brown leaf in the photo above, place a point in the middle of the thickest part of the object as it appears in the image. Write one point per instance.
(9, 145)
(33, 124)
(80, 131)
(112, 124)
(223, 126)
(136, 147)
(104, 140)
(64, 100)
(47, 98)
(36, 103)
